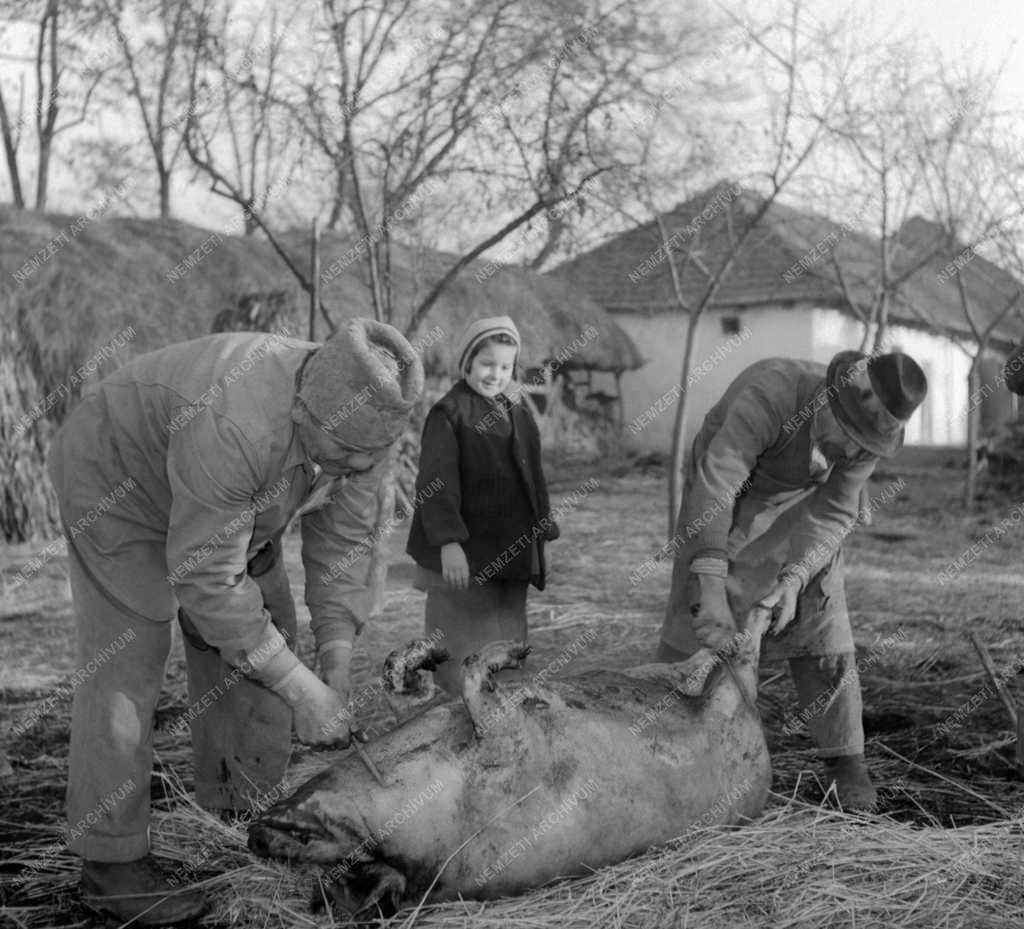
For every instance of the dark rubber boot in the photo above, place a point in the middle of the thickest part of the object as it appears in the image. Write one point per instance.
(138, 892)
(854, 789)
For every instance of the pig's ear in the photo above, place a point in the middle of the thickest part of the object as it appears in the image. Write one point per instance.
(370, 889)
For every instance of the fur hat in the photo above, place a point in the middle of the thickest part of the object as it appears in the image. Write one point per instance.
(362, 383)
(479, 330)
(872, 397)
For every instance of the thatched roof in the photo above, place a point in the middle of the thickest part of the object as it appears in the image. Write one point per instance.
(70, 286)
(557, 320)
(786, 261)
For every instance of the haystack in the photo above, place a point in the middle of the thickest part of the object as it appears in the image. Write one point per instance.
(78, 298)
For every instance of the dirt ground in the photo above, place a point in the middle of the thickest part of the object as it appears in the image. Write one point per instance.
(921, 578)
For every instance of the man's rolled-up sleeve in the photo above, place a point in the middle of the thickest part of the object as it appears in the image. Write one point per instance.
(750, 426)
(831, 513)
(214, 475)
(337, 546)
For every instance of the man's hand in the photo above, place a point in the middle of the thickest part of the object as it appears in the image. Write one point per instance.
(712, 619)
(782, 600)
(335, 659)
(454, 566)
(321, 716)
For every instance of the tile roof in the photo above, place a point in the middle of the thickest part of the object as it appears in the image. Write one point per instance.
(786, 260)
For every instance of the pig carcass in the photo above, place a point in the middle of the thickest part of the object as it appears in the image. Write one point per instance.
(521, 783)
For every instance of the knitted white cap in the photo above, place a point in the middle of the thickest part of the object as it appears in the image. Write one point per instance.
(479, 330)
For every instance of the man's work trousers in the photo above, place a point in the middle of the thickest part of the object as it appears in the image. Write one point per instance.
(241, 732)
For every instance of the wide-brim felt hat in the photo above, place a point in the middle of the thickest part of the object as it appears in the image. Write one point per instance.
(873, 396)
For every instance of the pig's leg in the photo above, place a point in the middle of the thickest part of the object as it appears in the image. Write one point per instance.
(404, 667)
(484, 699)
(407, 685)
(370, 885)
(689, 676)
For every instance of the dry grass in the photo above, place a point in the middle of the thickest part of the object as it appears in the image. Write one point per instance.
(799, 867)
(947, 849)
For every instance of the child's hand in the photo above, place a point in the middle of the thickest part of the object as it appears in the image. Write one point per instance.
(454, 566)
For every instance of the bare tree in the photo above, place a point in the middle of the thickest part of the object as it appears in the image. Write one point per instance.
(888, 115)
(972, 175)
(398, 90)
(239, 122)
(918, 138)
(504, 102)
(562, 122)
(219, 87)
(65, 78)
(152, 38)
(10, 129)
(797, 119)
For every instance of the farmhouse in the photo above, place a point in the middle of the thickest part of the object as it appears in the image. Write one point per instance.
(799, 286)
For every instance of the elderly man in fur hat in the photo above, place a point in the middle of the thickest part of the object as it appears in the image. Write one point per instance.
(177, 476)
(773, 487)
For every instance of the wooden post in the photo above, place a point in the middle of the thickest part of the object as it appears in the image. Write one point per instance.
(971, 476)
(620, 413)
(314, 276)
(384, 526)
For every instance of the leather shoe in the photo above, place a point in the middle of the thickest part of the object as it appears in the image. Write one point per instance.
(139, 892)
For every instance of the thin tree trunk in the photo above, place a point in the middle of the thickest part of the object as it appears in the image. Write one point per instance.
(11, 151)
(314, 279)
(43, 177)
(973, 411)
(46, 124)
(882, 323)
(337, 204)
(676, 477)
(164, 180)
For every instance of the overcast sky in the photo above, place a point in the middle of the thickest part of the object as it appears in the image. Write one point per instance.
(989, 31)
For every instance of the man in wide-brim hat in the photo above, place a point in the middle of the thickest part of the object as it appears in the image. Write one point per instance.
(773, 487)
(177, 476)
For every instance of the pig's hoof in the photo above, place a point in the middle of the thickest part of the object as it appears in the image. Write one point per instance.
(404, 669)
(371, 887)
(498, 656)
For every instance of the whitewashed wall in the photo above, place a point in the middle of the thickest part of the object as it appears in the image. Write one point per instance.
(942, 417)
(649, 400)
(649, 394)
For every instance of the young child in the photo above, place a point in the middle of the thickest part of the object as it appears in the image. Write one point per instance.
(483, 515)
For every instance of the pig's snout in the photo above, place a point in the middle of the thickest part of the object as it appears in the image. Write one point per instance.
(296, 837)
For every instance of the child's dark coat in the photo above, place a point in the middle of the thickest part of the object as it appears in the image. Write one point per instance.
(481, 484)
